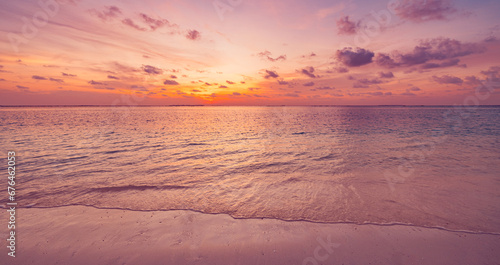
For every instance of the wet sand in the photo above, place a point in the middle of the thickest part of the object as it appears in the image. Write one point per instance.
(86, 235)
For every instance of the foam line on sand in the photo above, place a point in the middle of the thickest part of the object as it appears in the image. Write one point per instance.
(86, 235)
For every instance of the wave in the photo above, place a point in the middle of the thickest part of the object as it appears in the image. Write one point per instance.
(268, 218)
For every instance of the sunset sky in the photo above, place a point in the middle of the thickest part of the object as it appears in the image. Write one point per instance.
(241, 52)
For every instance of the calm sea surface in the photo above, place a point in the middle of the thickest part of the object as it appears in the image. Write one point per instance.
(426, 166)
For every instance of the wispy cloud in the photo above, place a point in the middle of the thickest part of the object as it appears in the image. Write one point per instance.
(268, 56)
(347, 27)
(424, 10)
(448, 79)
(434, 49)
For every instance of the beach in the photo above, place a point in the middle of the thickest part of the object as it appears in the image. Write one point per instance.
(86, 235)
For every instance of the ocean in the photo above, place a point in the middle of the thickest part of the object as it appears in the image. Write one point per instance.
(423, 166)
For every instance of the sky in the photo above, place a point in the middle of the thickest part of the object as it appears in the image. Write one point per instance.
(241, 52)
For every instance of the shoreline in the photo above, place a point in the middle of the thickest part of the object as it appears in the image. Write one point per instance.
(90, 235)
(264, 218)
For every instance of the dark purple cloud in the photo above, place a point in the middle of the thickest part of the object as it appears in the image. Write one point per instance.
(424, 10)
(113, 77)
(346, 27)
(282, 82)
(170, 82)
(472, 81)
(95, 83)
(325, 88)
(271, 74)
(447, 63)
(309, 72)
(491, 39)
(230, 82)
(253, 88)
(386, 74)
(152, 70)
(408, 93)
(308, 84)
(448, 79)
(65, 74)
(236, 94)
(56, 80)
(377, 93)
(353, 58)
(222, 86)
(37, 77)
(268, 56)
(154, 23)
(415, 88)
(23, 88)
(439, 49)
(129, 22)
(293, 95)
(341, 70)
(193, 35)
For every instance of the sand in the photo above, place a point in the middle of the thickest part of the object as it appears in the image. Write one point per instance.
(86, 235)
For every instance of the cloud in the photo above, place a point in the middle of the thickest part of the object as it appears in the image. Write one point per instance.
(370, 81)
(386, 74)
(152, 70)
(271, 74)
(308, 84)
(230, 82)
(267, 55)
(23, 88)
(408, 93)
(293, 95)
(129, 22)
(65, 74)
(222, 86)
(154, 23)
(312, 54)
(108, 13)
(355, 58)
(113, 77)
(491, 39)
(37, 77)
(448, 79)
(309, 72)
(325, 88)
(173, 76)
(415, 88)
(196, 90)
(56, 80)
(472, 81)
(341, 70)
(435, 49)
(377, 93)
(95, 83)
(170, 82)
(447, 63)
(1, 79)
(193, 35)
(282, 82)
(346, 27)
(424, 10)
(253, 88)
(236, 94)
